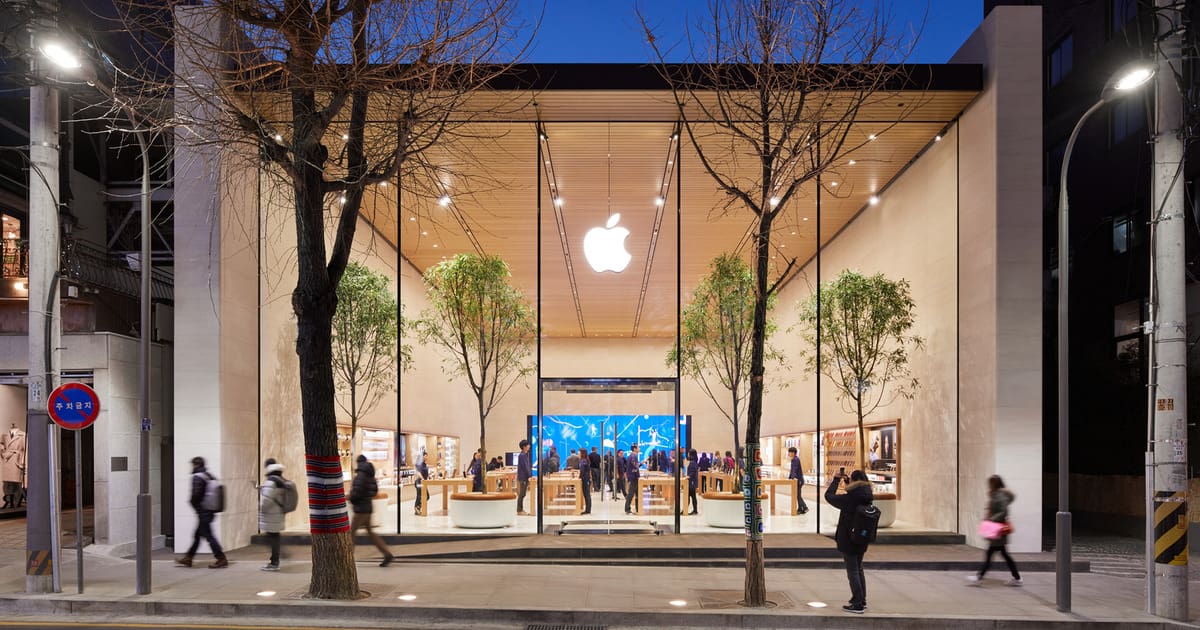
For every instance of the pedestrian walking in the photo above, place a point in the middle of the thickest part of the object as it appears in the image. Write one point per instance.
(475, 472)
(207, 498)
(524, 474)
(362, 492)
(996, 528)
(419, 482)
(620, 475)
(798, 474)
(594, 463)
(631, 480)
(858, 493)
(273, 505)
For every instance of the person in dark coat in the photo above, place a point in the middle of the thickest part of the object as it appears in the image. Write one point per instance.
(204, 519)
(553, 461)
(362, 492)
(585, 478)
(998, 500)
(608, 470)
(620, 475)
(475, 472)
(419, 482)
(858, 492)
(524, 473)
(693, 477)
(797, 474)
(594, 463)
(631, 479)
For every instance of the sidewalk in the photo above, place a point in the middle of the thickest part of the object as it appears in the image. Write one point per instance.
(507, 595)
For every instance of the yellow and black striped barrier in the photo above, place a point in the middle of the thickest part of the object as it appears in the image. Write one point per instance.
(1170, 528)
(38, 562)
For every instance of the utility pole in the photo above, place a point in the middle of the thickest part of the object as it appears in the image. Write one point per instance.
(1170, 520)
(45, 331)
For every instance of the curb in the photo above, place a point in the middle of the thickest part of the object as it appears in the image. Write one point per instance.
(316, 611)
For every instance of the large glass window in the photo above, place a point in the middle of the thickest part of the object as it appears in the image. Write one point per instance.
(1059, 61)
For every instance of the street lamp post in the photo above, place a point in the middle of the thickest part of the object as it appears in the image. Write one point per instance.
(1124, 82)
(65, 58)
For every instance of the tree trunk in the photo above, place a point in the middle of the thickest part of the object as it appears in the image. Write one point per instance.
(756, 580)
(862, 435)
(482, 446)
(737, 444)
(353, 419)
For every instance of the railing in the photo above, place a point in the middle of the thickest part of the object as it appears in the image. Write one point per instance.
(14, 258)
(89, 265)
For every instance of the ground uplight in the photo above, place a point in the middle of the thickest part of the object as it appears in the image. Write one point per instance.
(677, 602)
(407, 598)
(265, 593)
(817, 604)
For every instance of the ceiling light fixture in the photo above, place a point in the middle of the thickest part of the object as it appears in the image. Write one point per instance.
(558, 201)
(444, 201)
(424, 233)
(852, 162)
(774, 201)
(383, 183)
(874, 200)
(937, 138)
(345, 136)
(278, 137)
(435, 244)
(342, 199)
(658, 201)
(833, 184)
(872, 137)
(412, 218)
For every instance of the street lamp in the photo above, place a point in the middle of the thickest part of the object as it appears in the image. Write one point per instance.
(1124, 82)
(62, 56)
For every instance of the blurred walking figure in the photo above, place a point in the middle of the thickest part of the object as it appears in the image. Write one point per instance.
(362, 492)
(207, 498)
(995, 528)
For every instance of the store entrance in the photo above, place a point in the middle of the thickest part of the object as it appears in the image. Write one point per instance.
(586, 431)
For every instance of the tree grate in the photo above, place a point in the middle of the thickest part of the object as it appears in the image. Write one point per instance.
(546, 626)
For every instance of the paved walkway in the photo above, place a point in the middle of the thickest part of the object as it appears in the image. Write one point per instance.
(509, 595)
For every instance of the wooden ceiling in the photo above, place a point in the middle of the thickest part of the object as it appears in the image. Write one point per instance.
(609, 152)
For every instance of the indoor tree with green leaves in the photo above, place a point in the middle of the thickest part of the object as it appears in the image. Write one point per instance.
(364, 341)
(484, 326)
(717, 334)
(865, 341)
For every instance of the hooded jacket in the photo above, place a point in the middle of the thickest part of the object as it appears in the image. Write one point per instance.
(364, 488)
(857, 493)
(270, 501)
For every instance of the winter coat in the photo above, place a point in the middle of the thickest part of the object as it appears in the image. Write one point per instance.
(364, 488)
(12, 456)
(572, 462)
(524, 467)
(200, 479)
(704, 464)
(795, 472)
(857, 493)
(271, 496)
(997, 510)
(693, 473)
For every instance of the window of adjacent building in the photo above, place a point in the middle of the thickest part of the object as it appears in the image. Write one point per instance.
(1059, 61)
(1127, 318)
(1128, 116)
(1127, 340)
(1122, 234)
(1122, 13)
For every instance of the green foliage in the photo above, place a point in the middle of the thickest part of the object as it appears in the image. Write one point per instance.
(484, 326)
(406, 358)
(364, 341)
(717, 337)
(864, 339)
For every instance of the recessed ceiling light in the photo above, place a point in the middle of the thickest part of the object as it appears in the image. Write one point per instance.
(412, 218)
(805, 218)
(558, 201)
(407, 597)
(342, 199)
(774, 201)
(435, 244)
(345, 136)
(852, 162)
(677, 602)
(833, 184)
(794, 231)
(872, 137)
(424, 233)
(937, 138)
(444, 201)
(278, 138)
(874, 199)
(659, 201)
(383, 183)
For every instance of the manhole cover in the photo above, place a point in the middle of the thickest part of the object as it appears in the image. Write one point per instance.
(726, 600)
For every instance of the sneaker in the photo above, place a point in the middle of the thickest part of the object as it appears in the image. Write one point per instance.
(185, 561)
(220, 563)
(1014, 582)
(271, 567)
(856, 610)
(974, 580)
(387, 560)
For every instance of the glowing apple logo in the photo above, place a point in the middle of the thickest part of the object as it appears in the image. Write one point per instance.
(604, 247)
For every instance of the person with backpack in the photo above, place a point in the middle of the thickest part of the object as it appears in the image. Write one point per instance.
(207, 498)
(996, 529)
(854, 531)
(362, 492)
(276, 497)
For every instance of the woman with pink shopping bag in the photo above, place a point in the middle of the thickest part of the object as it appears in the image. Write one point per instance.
(995, 528)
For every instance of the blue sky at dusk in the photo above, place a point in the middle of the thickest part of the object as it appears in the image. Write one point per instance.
(598, 31)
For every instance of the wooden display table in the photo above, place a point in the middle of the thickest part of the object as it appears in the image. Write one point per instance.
(556, 484)
(448, 486)
(708, 480)
(506, 478)
(790, 484)
(664, 485)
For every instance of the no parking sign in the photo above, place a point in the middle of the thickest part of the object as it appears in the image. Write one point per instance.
(73, 406)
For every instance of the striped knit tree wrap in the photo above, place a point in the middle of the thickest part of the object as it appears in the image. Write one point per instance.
(326, 495)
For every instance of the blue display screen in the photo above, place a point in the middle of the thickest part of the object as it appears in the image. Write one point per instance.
(608, 433)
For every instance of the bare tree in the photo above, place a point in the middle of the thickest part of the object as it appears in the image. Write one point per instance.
(769, 103)
(332, 97)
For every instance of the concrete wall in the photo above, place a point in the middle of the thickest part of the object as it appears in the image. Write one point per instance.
(1000, 224)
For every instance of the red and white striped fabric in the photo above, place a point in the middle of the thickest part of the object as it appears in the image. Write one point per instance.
(326, 495)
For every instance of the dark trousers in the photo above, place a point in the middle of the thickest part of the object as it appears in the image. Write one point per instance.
(1003, 549)
(204, 531)
(692, 497)
(629, 495)
(273, 542)
(800, 504)
(621, 486)
(587, 496)
(522, 488)
(419, 486)
(858, 580)
(362, 520)
(595, 480)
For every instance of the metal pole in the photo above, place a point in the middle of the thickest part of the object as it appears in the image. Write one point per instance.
(1170, 328)
(44, 332)
(79, 512)
(1062, 520)
(144, 506)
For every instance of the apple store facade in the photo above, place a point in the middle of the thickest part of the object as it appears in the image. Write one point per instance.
(598, 201)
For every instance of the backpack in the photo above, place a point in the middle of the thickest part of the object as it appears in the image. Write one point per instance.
(291, 498)
(214, 494)
(864, 524)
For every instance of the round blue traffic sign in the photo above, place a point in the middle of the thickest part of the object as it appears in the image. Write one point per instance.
(73, 406)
